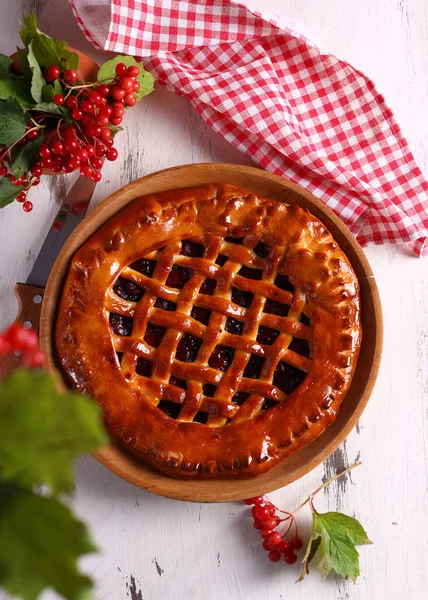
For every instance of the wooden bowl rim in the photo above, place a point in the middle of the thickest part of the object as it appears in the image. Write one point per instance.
(130, 467)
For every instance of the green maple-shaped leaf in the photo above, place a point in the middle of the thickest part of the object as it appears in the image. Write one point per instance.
(41, 542)
(107, 73)
(8, 193)
(42, 431)
(46, 50)
(336, 535)
(25, 156)
(12, 121)
(5, 67)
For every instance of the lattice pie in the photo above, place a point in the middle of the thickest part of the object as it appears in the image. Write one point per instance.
(218, 330)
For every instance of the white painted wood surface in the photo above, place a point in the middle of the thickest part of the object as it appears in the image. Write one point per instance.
(152, 548)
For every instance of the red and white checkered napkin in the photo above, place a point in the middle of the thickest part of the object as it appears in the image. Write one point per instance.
(297, 110)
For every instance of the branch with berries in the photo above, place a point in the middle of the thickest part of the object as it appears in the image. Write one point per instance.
(333, 538)
(52, 122)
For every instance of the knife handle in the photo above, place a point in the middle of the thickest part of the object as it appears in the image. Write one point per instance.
(30, 306)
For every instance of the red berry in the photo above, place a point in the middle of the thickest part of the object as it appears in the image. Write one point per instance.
(35, 359)
(126, 83)
(56, 168)
(87, 106)
(105, 133)
(115, 120)
(258, 524)
(44, 151)
(21, 197)
(57, 147)
(36, 170)
(70, 76)
(69, 131)
(120, 69)
(109, 143)
(283, 547)
(102, 120)
(95, 97)
(262, 512)
(67, 169)
(266, 545)
(118, 109)
(33, 133)
(83, 155)
(96, 162)
(290, 558)
(274, 539)
(270, 523)
(46, 163)
(36, 181)
(3, 170)
(274, 556)
(130, 99)
(104, 90)
(102, 102)
(94, 130)
(117, 92)
(58, 99)
(87, 119)
(71, 145)
(16, 336)
(51, 73)
(27, 206)
(112, 154)
(136, 86)
(106, 111)
(76, 114)
(265, 533)
(86, 171)
(96, 176)
(297, 543)
(71, 102)
(5, 347)
(100, 150)
(74, 163)
(90, 150)
(133, 71)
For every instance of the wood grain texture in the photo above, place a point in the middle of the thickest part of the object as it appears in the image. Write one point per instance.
(152, 547)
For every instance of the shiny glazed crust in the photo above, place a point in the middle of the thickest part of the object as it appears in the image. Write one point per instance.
(237, 440)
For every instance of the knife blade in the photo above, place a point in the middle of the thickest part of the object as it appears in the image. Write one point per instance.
(30, 294)
(71, 213)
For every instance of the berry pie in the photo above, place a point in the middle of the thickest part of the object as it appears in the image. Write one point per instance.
(218, 330)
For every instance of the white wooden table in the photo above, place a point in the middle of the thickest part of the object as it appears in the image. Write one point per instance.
(152, 548)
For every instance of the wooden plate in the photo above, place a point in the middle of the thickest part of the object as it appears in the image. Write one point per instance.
(135, 470)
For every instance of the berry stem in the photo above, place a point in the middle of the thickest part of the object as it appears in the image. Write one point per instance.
(321, 487)
(7, 150)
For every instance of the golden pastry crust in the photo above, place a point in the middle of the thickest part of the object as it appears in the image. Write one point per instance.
(252, 416)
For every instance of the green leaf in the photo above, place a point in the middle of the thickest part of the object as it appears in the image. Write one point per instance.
(54, 52)
(12, 122)
(23, 93)
(8, 191)
(46, 430)
(311, 548)
(107, 73)
(50, 107)
(6, 67)
(114, 128)
(24, 157)
(22, 60)
(7, 88)
(37, 80)
(29, 28)
(41, 543)
(46, 50)
(338, 535)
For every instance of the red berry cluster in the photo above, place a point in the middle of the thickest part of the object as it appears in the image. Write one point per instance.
(88, 139)
(20, 340)
(266, 520)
